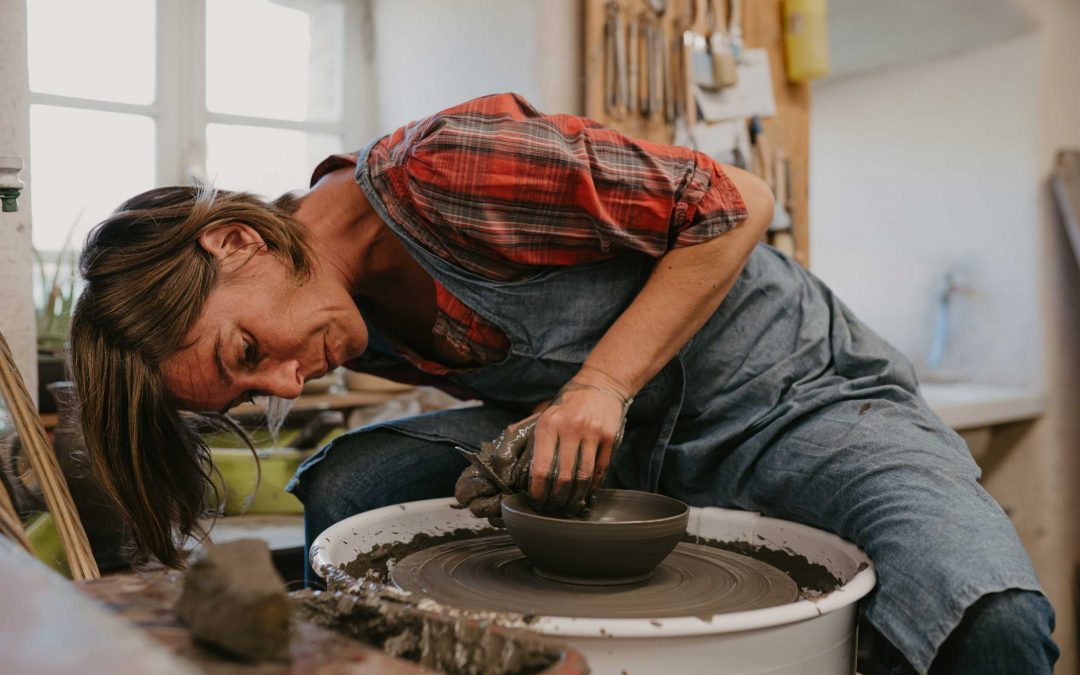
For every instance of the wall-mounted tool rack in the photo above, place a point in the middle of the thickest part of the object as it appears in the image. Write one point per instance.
(762, 24)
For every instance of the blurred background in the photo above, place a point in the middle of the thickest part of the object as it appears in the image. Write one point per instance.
(915, 145)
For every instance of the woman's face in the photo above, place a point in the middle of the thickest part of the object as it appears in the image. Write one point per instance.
(261, 334)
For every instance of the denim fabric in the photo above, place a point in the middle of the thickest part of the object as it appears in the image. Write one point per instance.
(783, 403)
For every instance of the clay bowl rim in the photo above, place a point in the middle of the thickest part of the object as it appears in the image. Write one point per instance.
(518, 506)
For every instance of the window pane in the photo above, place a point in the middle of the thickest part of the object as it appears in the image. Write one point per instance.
(83, 164)
(281, 59)
(102, 50)
(265, 161)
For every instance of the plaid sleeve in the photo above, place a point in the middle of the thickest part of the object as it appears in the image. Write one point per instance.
(502, 187)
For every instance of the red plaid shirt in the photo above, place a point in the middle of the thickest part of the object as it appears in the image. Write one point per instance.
(500, 189)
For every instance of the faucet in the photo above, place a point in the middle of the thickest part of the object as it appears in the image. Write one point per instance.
(955, 282)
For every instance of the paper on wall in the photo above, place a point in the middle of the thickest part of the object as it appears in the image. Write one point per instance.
(726, 142)
(751, 95)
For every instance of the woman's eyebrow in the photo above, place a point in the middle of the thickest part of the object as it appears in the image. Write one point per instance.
(226, 379)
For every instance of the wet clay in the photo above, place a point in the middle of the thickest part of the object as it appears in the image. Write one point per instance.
(492, 574)
(813, 579)
(235, 600)
(447, 641)
(374, 564)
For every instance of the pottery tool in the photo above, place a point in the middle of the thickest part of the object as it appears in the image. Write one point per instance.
(701, 59)
(611, 74)
(735, 30)
(492, 574)
(723, 59)
(781, 218)
(623, 77)
(643, 45)
(43, 460)
(473, 458)
(761, 157)
(633, 39)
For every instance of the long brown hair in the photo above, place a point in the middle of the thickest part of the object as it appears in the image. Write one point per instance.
(146, 281)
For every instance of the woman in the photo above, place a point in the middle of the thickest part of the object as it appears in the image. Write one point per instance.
(545, 263)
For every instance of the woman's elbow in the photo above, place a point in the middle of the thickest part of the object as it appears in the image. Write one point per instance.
(758, 198)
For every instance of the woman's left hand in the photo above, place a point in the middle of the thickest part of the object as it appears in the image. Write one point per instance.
(573, 442)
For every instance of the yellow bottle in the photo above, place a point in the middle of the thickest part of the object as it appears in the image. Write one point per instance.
(806, 39)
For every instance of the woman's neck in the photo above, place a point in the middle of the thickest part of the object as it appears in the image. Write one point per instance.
(348, 238)
(353, 245)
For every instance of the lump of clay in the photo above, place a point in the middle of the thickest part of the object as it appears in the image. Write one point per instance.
(235, 600)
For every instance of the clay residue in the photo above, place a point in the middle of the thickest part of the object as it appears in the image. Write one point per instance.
(813, 579)
(374, 565)
(444, 640)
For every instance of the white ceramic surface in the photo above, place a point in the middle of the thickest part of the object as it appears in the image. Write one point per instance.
(815, 636)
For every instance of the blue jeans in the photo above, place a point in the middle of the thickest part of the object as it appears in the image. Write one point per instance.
(940, 544)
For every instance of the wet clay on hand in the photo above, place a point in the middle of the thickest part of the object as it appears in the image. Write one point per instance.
(507, 457)
(235, 600)
(506, 460)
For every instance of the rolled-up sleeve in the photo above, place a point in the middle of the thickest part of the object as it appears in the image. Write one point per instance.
(500, 184)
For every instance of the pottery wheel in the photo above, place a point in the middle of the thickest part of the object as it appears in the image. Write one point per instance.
(492, 574)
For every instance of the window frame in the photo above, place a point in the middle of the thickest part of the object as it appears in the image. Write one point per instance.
(179, 108)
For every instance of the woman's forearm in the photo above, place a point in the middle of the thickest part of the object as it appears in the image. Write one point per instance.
(683, 291)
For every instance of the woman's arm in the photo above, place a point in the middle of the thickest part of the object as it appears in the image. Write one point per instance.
(685, 288)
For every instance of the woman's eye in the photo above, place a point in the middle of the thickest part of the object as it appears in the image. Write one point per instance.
(250, 353)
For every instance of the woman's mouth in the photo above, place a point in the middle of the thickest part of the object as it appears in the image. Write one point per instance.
(331, 361)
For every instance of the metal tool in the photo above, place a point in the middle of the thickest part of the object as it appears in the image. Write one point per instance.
(623, 77)
(611, 103)
(632, 65)
(473, 457)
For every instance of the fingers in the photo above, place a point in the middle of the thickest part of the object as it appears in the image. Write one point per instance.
(608, 445)
(487, 507)
(545, 442)
(569, 460)
(583, 478)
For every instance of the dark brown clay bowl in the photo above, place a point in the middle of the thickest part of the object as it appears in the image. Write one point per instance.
(622, 540)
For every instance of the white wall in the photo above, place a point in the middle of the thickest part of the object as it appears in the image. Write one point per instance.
(16, 307)
(916, 168)
(921, 169)
(431, 55)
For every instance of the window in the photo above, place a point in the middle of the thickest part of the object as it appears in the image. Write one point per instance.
(130, 94)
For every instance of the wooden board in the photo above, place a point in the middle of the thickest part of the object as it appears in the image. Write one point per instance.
(1066, 184)
(763, 28)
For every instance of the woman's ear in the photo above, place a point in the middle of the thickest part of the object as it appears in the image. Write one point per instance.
(225, 241)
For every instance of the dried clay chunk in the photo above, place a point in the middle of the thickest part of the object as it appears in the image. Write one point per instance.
(234, 599)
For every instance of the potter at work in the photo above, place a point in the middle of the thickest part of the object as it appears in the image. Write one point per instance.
(610, 304)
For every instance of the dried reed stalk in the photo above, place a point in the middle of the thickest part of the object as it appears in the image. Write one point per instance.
(46, 468)
(10, 524)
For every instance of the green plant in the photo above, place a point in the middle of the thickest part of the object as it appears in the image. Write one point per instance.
(57, 296)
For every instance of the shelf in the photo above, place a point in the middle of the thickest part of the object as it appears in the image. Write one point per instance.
(969, 405)
(280, 532)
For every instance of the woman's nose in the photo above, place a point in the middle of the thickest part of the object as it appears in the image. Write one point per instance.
(284, 380)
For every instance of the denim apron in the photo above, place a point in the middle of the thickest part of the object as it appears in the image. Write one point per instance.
(781, 403)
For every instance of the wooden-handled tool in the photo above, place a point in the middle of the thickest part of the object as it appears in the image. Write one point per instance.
(724, 71)
(43, 460)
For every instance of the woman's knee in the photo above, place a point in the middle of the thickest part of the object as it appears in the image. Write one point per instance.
(368, 469)
(1005, 632)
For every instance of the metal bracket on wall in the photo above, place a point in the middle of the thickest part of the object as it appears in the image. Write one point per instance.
(10, 184)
